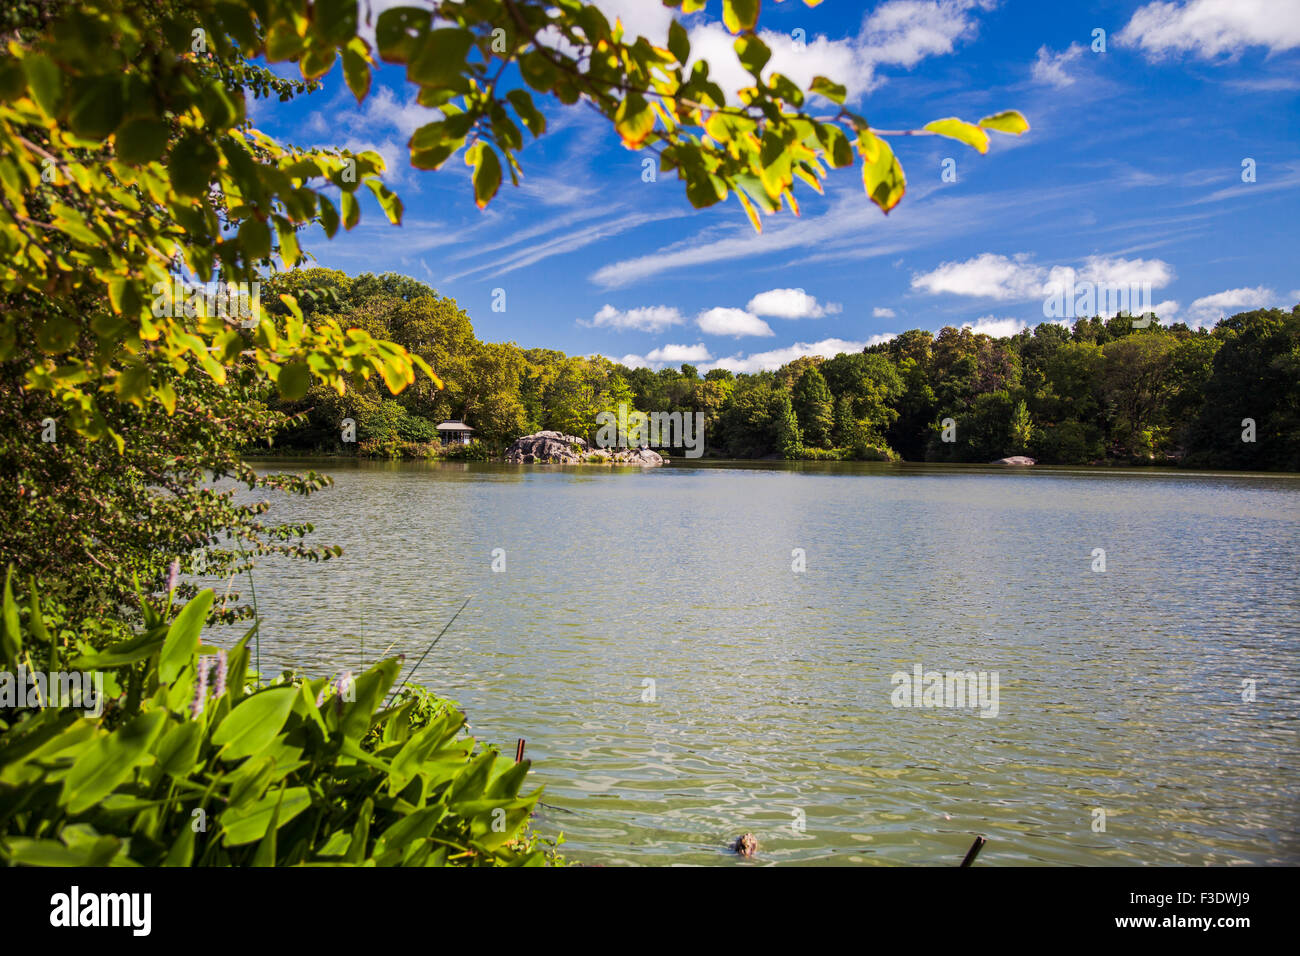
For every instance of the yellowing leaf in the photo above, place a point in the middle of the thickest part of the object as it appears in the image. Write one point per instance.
(487, 172)
(634, 120)
(1010, 121)
(740, 15)
(882, 177)
(961, 131)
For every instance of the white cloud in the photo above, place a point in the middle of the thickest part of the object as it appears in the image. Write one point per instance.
(1211, 28)
(1208, 309)
(841, 59)
(903, 32)
(995, 328)
(770, 361)
(1049, 68)
(1015, 278)
(736, 322)
(1166, 311)
(651, 318)
(1294, 296)
(680, 353)
(987, 276)
(882, 313)
(897, 33)
(666, 355)
(790, 304)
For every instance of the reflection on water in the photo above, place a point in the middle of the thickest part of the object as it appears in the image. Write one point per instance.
(1119, 690)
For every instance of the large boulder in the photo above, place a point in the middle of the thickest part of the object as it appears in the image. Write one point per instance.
(548, 446)
(559, 449)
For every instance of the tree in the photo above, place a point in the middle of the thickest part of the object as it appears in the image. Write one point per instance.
(814, 408)
(128, 152)
(1256, 378)
(789, 440)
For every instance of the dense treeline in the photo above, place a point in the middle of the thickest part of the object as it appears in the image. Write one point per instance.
(1102, 391)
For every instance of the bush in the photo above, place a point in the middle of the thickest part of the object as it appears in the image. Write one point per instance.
(179, 770)
(865, 451)
(417, 429)
(474, 451)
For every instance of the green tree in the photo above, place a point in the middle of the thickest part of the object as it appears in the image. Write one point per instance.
(814, 408)
(789, 439)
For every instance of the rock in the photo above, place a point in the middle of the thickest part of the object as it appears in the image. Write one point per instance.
(746, 845)
(547, 447)
(556, 448)
(1015, 460)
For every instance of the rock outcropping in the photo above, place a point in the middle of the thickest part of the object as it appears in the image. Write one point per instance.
(1015, 460)
(558, 449)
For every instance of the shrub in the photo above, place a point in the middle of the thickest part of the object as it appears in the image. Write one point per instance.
(417, 429)
(181, 770)
(474, 451)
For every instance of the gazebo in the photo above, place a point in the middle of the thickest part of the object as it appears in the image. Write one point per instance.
(455, 433)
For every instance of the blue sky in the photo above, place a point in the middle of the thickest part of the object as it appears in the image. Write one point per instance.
(1132, 172)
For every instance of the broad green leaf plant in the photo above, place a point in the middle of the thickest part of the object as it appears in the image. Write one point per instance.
(192, 763)
(127, 157)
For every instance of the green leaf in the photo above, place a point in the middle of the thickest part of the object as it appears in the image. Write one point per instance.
(396, 31)
(439, 57)
(740, 15)
(961, 131)
(824, 87)
(351, 209)
(251, 821)
(317, 61)
(182, 850)
(538, 71)
(487, 172)
(839, 152)
(182, 641)
(109, 761)
(127, 652)
(265, 855)
(679, 42)
(132, 382)
(1009, 121)
(356, 73)
(254, 723)
(329, 215)
(294, 380)
(334, 20)
(634, 120)
(882, 176)
(753, 54)
(389, 201)
(11, 639)
(56, 334)
(141, 140)
(528, 112)
(45, 80)
(255, 236)
(178, 751)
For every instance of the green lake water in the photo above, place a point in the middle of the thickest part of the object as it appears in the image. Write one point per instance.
(1119, 692)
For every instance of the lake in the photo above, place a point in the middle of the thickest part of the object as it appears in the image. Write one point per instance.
(679, 683)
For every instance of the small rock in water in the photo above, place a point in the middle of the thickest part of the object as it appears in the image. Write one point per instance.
(746, 845)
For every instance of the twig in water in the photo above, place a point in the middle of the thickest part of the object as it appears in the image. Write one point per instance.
(416, 665)
(974, 851)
